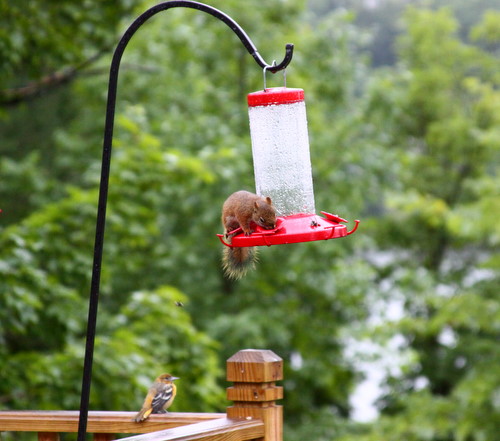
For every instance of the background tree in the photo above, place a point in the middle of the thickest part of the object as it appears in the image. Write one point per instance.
(438, 223)
(412, 150)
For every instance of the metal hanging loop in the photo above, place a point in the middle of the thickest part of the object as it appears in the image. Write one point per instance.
(266, 68)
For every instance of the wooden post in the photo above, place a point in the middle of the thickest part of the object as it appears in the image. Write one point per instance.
(254, 373)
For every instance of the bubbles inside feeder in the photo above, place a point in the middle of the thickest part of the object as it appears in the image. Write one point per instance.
(280, 148)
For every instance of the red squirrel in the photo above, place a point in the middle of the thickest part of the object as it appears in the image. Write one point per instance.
(241, 210)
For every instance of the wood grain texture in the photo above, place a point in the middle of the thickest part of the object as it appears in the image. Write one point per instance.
(272, 416)
(254, 390)
(221, 429)
(98, 421)
(254, 366)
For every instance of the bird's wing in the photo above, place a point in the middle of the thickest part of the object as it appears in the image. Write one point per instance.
(163, 395)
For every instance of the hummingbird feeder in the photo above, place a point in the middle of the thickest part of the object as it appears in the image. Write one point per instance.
(282, 168)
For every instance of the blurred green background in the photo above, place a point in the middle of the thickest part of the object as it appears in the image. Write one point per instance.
(403, 105)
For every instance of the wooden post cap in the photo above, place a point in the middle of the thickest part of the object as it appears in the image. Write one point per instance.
(254, 366)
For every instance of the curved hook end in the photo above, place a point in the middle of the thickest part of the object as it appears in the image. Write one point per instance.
(286, 61)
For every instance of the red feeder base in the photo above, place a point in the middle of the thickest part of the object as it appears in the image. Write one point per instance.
(293, 229)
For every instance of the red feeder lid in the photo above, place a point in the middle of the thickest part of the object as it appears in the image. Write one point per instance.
(294, 229)
(275, 95)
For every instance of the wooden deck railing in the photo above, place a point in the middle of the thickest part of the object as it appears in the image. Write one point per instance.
(253, 415)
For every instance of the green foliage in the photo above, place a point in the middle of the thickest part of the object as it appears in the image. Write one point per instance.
(129, 354)
(440, 217)
(411, 150)
(35, 41)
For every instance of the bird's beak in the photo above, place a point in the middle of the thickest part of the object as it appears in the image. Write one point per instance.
(175, 378)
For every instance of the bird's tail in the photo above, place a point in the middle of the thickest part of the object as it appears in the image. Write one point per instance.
(142, 415)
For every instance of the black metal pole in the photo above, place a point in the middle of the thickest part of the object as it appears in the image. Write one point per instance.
(105, 169)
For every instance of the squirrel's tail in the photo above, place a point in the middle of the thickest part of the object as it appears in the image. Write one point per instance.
(236, 261)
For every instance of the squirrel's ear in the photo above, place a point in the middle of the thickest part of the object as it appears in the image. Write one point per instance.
(256, 205)
(268, 199)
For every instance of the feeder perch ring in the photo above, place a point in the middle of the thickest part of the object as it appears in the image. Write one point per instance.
(295, 228)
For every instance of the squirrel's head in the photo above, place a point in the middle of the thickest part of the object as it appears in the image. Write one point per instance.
(265, 214)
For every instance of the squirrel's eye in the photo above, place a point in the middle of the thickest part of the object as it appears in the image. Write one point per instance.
(262, 220)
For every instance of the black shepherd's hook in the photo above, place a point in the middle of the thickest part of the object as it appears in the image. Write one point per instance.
(106, 159)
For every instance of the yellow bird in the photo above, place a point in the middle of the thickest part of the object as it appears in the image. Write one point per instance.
(160, 396)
